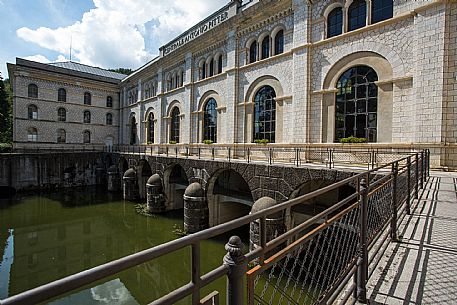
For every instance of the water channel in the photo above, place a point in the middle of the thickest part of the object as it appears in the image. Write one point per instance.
(49, 236)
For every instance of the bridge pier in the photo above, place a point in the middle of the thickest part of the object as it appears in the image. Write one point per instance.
(155, 197)
(131, 191)
(196, 215)
(114, 181)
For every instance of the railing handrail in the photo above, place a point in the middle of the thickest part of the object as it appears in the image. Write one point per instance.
(80, 279)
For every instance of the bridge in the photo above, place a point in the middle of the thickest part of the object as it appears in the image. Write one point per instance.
(326, 257)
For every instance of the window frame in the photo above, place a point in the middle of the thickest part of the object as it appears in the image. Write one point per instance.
(61, 117)
(87, 98)
(32, 91)
(59, 136)
(32, 112)
(87, 117)
(333, 22)
(62, 95)
(210, 120)
(259, 109)
(279, 42)
(175, 124)
(109, 119)
(354, 22)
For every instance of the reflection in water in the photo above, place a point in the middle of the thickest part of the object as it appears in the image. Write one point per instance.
(56, 235)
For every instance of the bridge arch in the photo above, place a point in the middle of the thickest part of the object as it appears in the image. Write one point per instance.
(175, 182)
(229, 196)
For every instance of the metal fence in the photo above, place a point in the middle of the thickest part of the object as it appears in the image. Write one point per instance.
(304, 155)
(325, 259)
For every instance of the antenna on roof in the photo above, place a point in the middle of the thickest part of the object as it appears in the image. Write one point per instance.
(71, 42)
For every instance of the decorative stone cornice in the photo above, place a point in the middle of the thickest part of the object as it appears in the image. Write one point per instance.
(265, 22)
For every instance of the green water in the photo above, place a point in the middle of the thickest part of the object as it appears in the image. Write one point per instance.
(46, 237)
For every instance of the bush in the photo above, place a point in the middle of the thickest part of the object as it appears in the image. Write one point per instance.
(172, 142)
(352, 139)
(207, 142)
(5, 148)
(261, 141)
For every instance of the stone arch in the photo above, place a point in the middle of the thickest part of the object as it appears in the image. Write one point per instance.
(229, 196)
(172, 105)
(385, 72)
(330, 7)
(144, 171)
(175, 182)
(259, 83)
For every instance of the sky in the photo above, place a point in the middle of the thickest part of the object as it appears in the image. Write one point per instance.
(102, 33)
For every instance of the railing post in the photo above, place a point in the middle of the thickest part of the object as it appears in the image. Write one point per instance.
(422, 170)
(428, 162)
(249, 155)
(212, 153)
(187, 151)
(236, 262)
(393, 220)
(199, 153)
(362, 262)
(229, 151)
(297, 156)
(416, 185)
(408, 183)
(270, 158)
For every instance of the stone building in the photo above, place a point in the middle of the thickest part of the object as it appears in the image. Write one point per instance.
(299, 72)
(64, 105)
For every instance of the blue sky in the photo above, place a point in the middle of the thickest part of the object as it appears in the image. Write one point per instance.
(104, 33)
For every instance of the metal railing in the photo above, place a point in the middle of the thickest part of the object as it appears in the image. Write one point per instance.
(301, 155)
(311, 263)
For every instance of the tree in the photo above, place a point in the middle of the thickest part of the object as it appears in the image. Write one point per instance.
(6, 111)
(122, 71)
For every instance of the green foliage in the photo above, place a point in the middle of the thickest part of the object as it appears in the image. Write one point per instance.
(207, 142)
(261, 141)
(6, 111)
(5, 147)
(172, 142)
(179, 231)
(352, 139)
(122, 71)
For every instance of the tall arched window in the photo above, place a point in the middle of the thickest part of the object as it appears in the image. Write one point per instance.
(109, 101)
(87, 98)
(357, 15)
(203, 72)
(219, 64)
(133, 131)
(381, 10)
(150, 130)
(357, 104)
(62, 95)
(86, 137)
(253, 52)
(335, 22)
(32, 91)
(175, 125)
(279, 42)
(61, 114)
(32, 112)
(109, 119)
(86, 116)
(210, 121)
(265, 114)
(266, 47)
(211, 67)
(61, 136)
(32, 134)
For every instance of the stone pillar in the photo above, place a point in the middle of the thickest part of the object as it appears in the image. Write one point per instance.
(114, 180)
(155, 197)
(131, 191)
(196, 215)
(275, 224)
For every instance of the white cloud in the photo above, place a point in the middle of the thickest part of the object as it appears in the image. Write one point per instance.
(38, 58)
(113, 33)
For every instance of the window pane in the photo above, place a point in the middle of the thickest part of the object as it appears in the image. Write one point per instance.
(357, 15)
(265, 114)
(382, 10)
(335, 22)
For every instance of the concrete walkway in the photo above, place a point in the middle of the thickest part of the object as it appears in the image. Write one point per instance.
(422, 267)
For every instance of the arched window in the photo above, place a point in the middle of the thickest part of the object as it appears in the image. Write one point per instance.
(87, 98)
(175, 125)
(335, 22)
(32, 91)
(265, 114)
(266, 47)
(204, 70)
(32, 112)
(133, 131)
(219, 64)
(86, 137)
(86, 116)
(381, 10)
(109, 119)
(109, 101)
(61, 136)
(62, 95)
(61, 114)
(150, 130)
(253, 52)
(279, 42)
(357, 15)
(357, 104)
(211, 67)
(32, 134)
(181, 79)
(210, 121)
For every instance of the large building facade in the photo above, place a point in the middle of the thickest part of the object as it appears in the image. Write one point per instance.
(300, 72)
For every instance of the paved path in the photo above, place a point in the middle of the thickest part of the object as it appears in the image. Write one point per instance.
(422, 267)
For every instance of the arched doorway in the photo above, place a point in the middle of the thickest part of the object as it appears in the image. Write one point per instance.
(175, 183)
(144, 172)
(356, 104)
(229, 197)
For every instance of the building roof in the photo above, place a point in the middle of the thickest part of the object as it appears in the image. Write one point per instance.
(70, 65)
